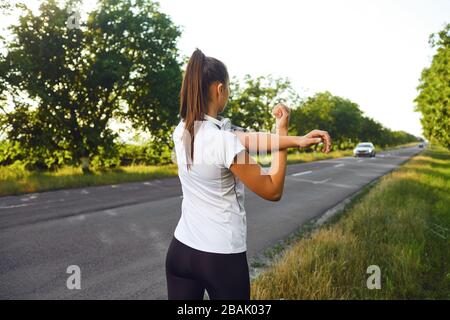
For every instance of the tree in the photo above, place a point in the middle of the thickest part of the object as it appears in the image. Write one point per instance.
(347, 118)
(434, 91)
(5, 6)
(344, 121)
(120, 63)
(371, 131)
(314, 113)
(250, 104)
(340, 117)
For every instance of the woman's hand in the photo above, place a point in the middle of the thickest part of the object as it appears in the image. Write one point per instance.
(281, 113)
(315, 137)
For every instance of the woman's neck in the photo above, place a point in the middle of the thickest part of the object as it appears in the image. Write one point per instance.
(211, 111)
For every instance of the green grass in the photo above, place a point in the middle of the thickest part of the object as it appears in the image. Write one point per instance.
(401, 224)
(17, 180)
(406, 145)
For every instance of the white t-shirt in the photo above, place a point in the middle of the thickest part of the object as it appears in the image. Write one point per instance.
(213, 217)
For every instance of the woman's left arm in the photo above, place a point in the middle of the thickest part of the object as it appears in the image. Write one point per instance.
(264, 141)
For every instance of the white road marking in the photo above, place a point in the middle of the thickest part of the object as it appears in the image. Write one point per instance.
(328, 160)
(326, 182)
(30, 204)
(77, 218)
(322, 181)
(314, 181)
(131, 188)
(340, 185)
(339, 165)
(300, 173)
(111, 212)
(17, 206)
(30, 197)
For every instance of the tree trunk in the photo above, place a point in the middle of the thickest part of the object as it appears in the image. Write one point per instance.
(85, 165)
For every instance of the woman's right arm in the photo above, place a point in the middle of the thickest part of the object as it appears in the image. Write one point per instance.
(268, 185)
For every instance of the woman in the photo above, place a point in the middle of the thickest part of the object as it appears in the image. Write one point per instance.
(208, 250)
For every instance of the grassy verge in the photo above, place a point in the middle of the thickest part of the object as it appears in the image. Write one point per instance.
(17, 181)
(406, 145)
(402, 225)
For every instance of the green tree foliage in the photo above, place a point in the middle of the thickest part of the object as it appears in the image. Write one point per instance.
(340, 117)
(5, 6)
(251, 101)
(121, 62)
(371, 130)
(434, 91)
(345, 122)
(314, 113)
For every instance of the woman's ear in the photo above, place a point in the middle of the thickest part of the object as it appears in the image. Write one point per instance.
(220, 88)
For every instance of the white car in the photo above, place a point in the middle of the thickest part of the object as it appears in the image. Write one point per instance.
(364, 149)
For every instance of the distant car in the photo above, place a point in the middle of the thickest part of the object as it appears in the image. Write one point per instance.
(364, 149)
(421, 145)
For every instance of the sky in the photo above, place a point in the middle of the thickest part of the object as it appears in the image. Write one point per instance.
(369, 51)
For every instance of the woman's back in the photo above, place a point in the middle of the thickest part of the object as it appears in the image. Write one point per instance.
(213, 217)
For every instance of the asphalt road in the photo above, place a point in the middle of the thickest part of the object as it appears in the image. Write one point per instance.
(118, 234)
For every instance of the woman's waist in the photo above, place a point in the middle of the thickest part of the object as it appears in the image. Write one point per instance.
(221, 206)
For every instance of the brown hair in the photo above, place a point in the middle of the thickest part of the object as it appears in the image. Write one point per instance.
(201, 72)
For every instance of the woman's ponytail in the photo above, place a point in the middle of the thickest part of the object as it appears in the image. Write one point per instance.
(192, 101)
(201, 72)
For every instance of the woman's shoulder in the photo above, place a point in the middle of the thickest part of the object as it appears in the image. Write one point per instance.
(178, 130)
(208, 133)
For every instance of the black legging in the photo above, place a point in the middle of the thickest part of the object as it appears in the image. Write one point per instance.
(189, 272)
